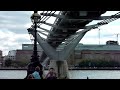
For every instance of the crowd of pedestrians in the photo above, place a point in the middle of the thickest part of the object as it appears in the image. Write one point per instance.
(37, 74)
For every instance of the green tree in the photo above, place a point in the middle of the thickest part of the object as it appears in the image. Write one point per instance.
(20, 63)
(98, 63)
(8, 62)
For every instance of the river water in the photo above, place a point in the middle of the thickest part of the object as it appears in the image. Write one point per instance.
(74, 74)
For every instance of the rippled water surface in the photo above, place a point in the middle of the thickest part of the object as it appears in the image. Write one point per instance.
(74, 74)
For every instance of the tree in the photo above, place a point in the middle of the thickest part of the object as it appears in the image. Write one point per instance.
(8, 62)
(22, 63)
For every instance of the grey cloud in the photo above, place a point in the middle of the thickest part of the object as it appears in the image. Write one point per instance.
(14, 47)
(20, 40)
(18, 29)
(91, 37)
(15, 21)
(21, 30)
(15, 17)
(2, 40)
(6, 46)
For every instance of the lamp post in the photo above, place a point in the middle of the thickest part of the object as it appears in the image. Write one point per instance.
(35, 18)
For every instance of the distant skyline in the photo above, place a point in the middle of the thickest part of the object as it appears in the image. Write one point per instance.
(14, 24)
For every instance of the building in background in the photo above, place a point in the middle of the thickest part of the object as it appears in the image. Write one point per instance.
(1, 55)
(112, 42)
(110, 51)
(23, 54)
(30, 47)
(1, 58)
(11, 55)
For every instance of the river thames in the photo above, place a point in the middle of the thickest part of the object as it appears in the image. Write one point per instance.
(74, 74)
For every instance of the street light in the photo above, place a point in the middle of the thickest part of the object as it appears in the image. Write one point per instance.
(35, 18)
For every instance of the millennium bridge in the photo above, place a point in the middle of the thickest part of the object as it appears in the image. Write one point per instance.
(66, 32)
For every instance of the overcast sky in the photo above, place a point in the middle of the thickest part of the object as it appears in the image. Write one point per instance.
(14, 24)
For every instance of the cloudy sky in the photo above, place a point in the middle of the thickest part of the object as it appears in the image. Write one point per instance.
(14, 24)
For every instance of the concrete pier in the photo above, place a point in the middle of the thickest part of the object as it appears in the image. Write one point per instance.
(61, 67)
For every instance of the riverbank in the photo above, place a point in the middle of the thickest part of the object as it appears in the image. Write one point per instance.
(71, 68)
(12, 68)
(94, 68)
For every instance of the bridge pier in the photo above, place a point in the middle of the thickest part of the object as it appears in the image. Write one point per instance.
(61, 67)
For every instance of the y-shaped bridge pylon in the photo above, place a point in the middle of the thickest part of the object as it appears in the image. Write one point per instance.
(59, 57)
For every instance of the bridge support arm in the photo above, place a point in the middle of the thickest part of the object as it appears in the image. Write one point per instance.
(49, 50)
(45, 61)
(70, 47)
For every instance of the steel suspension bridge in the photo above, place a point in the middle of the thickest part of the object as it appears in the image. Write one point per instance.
(66, 32)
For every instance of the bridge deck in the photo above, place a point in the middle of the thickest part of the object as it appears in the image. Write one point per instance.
(68, 28)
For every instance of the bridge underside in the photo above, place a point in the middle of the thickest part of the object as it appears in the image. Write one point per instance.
(69, 27)
(74, 21)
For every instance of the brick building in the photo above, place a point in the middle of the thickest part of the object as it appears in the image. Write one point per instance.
(101, 55)
(95, 52)
(25, 55)
(81, 52)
